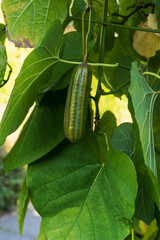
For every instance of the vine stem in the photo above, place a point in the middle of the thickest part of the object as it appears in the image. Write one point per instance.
(132, 233)
(117, 90)
(85, 39)
(87, 35)
(152, 74)
(155, 79)
(93, 64)
(118, 25)
(156, 76)
(83, 31)
(102, 49)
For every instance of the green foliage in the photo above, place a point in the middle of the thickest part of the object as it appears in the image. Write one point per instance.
(98, 187)
(143, 99)
(43, 128)
(74, 201)
(122, 139)
(41, 69)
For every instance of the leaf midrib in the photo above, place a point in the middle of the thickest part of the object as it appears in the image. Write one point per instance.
(90, 189)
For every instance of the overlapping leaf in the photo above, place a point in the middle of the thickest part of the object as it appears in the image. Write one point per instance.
(40, 70)
(81, 198)
(33, 78)
(42, 132)
(122, 139)
(143, 98)
(27, 20)
(148, 187)
(145, 205)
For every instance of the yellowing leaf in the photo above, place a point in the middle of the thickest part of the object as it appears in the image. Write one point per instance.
(147, 43)
(152, 22)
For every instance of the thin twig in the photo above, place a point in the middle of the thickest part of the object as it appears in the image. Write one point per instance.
(137, 8)
(115, 91)
(118, 25)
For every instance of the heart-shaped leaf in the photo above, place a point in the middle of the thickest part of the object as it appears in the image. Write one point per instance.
(79, 198)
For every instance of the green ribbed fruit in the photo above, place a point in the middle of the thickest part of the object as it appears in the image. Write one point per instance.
(76, 107)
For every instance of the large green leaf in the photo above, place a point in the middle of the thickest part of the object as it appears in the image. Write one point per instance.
(3, 62)
(79, 198)
(42, 132)
(148, 187)
(40, 70)
(28, 20)
(33, 78)
(143, 98)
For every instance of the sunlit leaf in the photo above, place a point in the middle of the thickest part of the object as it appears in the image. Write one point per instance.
(41, 70)
(27, 21)
(42, 132)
